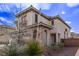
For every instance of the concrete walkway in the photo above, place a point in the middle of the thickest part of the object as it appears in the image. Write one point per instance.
(77, 53)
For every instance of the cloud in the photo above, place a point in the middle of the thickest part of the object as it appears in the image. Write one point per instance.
(10, 8)
(43, 6)
(16, 7)
(26, 5)
(4, 21)
(5, 8)
(72, 4)
(77, 32)
(63, 12)
(68, 22)
(72, 30)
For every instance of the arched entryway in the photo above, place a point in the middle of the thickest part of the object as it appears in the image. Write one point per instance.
(65, 33)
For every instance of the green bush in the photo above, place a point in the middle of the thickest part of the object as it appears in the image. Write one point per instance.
(33, 48)
(10, 50)
(57, 46)
(61, 45)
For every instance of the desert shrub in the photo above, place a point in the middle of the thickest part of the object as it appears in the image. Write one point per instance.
(54, 47)
(61, 45)
(33, 48)
(10, 50)
(57, 46)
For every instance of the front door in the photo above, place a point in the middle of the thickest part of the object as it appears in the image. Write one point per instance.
(53, 38)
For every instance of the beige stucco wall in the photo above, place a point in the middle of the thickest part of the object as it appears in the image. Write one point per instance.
(60, 28)
(30, 17)
(40, 19)
(31, 20)
(43, 37)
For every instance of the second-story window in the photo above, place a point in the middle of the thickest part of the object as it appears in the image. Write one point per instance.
(52, 22)
(36, 18)
(23, 23)
(23, 20)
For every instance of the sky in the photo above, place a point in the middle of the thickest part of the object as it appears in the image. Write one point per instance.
(69, 12)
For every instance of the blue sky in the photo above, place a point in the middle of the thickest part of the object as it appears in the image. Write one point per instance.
(69, 12)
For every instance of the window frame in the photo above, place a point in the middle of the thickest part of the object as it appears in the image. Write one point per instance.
(52, 22)
(36, 18)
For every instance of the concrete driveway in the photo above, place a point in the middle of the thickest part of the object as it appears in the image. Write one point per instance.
(77, 53)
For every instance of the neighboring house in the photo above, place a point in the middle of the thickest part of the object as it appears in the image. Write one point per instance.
(5, 34)
(6, 29)
(74, 35)
(46, 29)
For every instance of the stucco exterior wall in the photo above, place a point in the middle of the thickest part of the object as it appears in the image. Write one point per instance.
(40, 19)
(30, 18)
(45, 39)
(60, 28)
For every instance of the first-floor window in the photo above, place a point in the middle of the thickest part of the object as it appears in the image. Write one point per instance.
(45, 36)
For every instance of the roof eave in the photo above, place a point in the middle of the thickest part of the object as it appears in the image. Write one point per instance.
(58, 17)
(32, 9)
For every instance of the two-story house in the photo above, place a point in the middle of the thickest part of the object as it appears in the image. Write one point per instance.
(46, 29)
